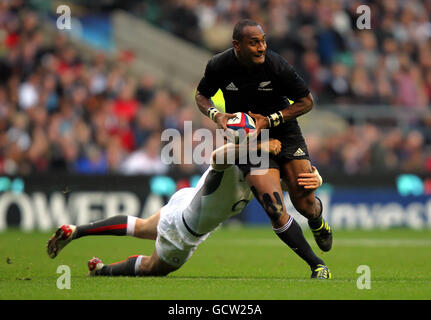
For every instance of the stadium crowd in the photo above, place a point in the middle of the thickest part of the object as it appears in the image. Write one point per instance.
(62, 113)
(321, 39)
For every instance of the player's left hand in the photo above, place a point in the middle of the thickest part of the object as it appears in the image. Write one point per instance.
(311, 180)
(272, 146)
(261, 121)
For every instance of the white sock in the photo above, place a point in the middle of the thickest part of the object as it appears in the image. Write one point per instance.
(131, 222)
(138, 264)
(285, 227)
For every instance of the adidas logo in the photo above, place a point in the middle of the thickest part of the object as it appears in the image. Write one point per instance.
(231, 87)
(299, 153)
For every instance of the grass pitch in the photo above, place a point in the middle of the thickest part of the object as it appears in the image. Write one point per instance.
(248, 263)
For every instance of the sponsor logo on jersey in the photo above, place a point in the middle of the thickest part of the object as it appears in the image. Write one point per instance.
(231, 86)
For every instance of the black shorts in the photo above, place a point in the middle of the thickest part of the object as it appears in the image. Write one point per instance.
(293, 147)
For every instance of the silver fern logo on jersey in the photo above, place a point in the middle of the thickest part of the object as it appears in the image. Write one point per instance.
(264, 86)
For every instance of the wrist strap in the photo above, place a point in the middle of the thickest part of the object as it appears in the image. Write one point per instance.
(212, 113)
(275, 119)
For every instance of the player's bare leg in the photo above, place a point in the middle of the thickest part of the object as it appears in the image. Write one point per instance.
(303, 199)
(267, 190)
(154, 266)
(306, 203)
(147, 228)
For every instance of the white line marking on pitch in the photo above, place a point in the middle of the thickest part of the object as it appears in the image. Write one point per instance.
(337, 242)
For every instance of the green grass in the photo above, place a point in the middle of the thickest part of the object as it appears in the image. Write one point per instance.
(245, 263)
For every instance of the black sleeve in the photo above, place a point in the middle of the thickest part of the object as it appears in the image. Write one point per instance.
(292, 85)
(208, 85)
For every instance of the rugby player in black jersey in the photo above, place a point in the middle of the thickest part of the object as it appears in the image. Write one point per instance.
(260, 82)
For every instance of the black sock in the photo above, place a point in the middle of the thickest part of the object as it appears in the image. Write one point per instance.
(116, 226)
(122, 268)
(316, 223)
(291, 234)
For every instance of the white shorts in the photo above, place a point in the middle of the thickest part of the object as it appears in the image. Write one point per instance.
(174, 244)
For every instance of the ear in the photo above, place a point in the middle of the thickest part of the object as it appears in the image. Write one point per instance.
(235, 44)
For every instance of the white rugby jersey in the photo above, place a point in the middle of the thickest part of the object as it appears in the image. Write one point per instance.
(217, 196)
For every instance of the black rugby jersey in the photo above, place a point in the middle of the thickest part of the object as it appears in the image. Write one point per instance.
(262, 89)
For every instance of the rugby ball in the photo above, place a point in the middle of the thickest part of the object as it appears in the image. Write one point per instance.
(240, 126)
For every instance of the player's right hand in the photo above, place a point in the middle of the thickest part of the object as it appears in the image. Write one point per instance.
(260, 121)
(222, 118)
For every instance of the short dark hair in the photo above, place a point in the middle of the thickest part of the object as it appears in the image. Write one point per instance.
(239, 27)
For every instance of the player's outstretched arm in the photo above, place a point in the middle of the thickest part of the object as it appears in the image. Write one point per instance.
(222, 157)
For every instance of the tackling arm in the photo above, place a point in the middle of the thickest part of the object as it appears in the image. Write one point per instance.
(221, 156)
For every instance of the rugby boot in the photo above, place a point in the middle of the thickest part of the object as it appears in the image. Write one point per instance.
(94, 265)
(323, 236)
(321, 272)
(61, 237)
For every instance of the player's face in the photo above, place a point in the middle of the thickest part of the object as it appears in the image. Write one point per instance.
(252, 47)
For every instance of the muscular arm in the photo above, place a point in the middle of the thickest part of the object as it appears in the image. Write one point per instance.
(205, 103)
(300, 107)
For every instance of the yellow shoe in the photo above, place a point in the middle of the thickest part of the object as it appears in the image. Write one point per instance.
(321, 272)
(323, 236)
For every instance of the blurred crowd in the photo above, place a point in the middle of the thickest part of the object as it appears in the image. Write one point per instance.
(62, 113)
(388, 64)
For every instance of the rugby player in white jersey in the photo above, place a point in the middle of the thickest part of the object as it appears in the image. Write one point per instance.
(189, 217)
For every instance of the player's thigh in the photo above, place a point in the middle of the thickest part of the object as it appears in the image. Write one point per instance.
(290, 172)
(268, 183)
(267, 190)
(170, 245)
(147, 228)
